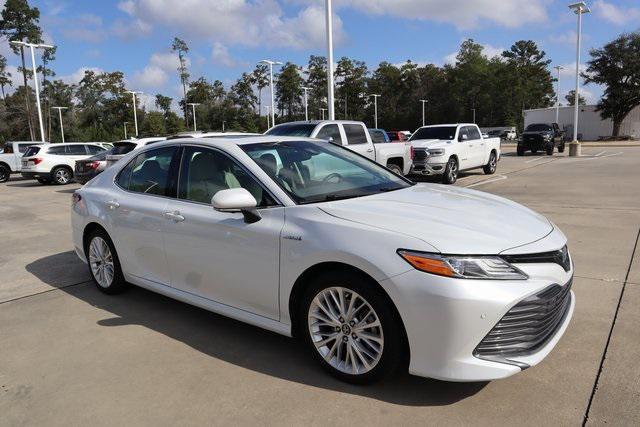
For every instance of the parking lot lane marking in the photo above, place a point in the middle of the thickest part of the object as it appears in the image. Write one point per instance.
(487, 181)
(597, 157)
(599, 154)
(533, 160)
(46, 291)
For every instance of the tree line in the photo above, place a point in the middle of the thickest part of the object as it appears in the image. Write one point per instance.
(492, 90)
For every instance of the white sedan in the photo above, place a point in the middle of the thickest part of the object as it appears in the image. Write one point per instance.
(309, 239)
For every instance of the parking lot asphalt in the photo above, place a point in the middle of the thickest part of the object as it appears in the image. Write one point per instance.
(70, 355)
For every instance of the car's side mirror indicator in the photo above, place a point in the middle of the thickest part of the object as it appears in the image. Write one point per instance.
(237, 200)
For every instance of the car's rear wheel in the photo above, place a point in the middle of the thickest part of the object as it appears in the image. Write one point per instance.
(104, 264)
(451, 171)
(395, 169)
(534, 150)
(520, 151)
(490, 167)
(61, 175)
(351, 328)
(4, 173)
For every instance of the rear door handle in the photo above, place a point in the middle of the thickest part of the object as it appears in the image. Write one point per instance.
(113, 204)
(174, 216)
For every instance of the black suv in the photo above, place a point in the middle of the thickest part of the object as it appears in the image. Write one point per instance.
(541, 136)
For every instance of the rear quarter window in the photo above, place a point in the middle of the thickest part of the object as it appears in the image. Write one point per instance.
(31, 151)
(355, 134)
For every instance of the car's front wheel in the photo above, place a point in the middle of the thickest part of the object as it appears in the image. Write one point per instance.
(451, 171)
(549, 149)
(104, 264)
(351, 328)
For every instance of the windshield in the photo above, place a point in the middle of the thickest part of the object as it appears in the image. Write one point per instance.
(538, 127)
(436, 132)
(292, 129)
(123, 147)
(102, 155)
(313, 172)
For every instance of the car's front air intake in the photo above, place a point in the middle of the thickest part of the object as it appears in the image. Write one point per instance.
(528, 325)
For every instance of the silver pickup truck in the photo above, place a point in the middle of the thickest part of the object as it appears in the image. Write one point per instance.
(10, 157)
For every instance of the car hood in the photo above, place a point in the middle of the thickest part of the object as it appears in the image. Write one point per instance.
(430, 143)
(539, 132)
(453, 220)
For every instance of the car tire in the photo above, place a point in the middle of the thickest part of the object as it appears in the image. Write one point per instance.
(395, 169)
(520, 151)
(549, 149)
(492, 165)
(43, 181)
(103, 262)
(4, 173)
(333, 339)
(534, 150)
(451, 171)
(561, 148)
(61, 175)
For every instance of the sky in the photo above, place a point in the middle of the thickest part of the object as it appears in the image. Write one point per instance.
(228, 37)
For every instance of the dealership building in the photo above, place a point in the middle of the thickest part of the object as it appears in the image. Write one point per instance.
(591, 126)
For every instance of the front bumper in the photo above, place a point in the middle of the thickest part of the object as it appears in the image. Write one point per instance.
(424, 168)
(445, 320)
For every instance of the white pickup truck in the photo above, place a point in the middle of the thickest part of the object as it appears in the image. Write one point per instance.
(10, 157)
(448, 149)
(354, 136)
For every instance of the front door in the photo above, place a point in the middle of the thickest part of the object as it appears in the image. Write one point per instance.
(357, 140)
(217, 255)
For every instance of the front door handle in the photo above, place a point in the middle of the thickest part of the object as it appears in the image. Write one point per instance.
(112, 204)
(174, 216)
(370, 150)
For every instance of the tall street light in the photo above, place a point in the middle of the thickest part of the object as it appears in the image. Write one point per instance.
(60, 117)
(558, 68)
(33, 46)
(306, 103)
(135, 114)
(375, 110)
(193, 106)
(125, 129)
(271, 64)
(474, 115)
(322, 110)
(329, 13)
(268, 107)
(423, 101)
(578, 8)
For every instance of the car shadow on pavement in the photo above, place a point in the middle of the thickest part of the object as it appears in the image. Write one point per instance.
(30, 183)
(247, 346)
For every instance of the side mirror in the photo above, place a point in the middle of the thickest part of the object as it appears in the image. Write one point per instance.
(237, 200)
(463, 137)
(330, 140)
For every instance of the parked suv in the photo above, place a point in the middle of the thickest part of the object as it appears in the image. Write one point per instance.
(541, 136)
(10, 157)
(56, 162)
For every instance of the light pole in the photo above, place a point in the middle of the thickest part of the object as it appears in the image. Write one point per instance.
(125, 129)
(306, 103)
(135, 114)
(558, 68)
(474, 115)
(193, 106)
(322, 110)
(423, 101)
(223, 123)
(375, 110)
(578, 8)
(33, 46)
(60, 117)
(271, 64)
(332, 114)
(268, 107)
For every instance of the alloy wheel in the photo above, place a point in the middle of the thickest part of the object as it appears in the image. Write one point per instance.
(345, 330)
(62, 176)
(453, 170)
(101, 262)
(493, 163)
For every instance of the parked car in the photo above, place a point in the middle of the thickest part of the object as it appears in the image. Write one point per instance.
(10, 158)
(309, 239)
(397, 136)
(127, 145)
(541, 136)
(353, 136)
(197, 134)
(55, 162)
(448, 149)
(87, 169)
(379, 136)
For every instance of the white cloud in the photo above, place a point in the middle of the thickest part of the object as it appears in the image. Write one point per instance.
(86, 28)
(220, 55)
(131, 29)
(76, 76)
(568, 37)
(616, 14)
(249, 23)
(127, 7)
(150, 77)
(569, 70)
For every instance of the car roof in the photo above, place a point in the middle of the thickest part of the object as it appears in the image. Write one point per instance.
(240, 140)
(318, 122)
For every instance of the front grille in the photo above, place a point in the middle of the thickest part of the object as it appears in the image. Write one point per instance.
(560, 257)
(419, 154)
(529, 325)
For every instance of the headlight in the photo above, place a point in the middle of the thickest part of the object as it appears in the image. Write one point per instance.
(463, 267)
(436, 152)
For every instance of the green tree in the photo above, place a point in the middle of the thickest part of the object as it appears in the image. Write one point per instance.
(153, 124)
(351, 78)
(48, 55)
(164, 103)
(571, 98)
(260, 77)
(289, 91)
(20, 23)
(316, 73)
(617, 66)
(181, 48)
(5, 76)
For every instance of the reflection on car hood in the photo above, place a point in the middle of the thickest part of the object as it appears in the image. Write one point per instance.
(430, 143)
(453, 220)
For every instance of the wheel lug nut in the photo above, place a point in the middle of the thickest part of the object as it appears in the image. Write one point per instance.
(341, 320)
(345, 339)
(354, 336)
(352, 323)
(337, 329)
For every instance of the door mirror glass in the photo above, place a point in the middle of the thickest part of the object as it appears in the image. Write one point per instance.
(463, 137)
(237, 200)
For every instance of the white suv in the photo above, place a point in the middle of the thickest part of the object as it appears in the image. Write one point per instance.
(56, 162)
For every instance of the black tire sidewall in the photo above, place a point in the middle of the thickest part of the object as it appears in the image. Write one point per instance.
(395, 169)
(445, 177)
(5, 173)
(118, 283)
(487, 168)
(393, 354)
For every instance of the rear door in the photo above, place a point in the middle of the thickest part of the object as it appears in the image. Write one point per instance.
(356, 136)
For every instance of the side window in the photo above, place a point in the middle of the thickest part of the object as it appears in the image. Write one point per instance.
(377, 137)
(22, 148)
(204, 172)
(473, 132)
(355, 134)
(58, 151)
(150, 173)
(8, 148)
(124, 176)
(94, 149)
(330, 131)
(76, 150)
(462, 133)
